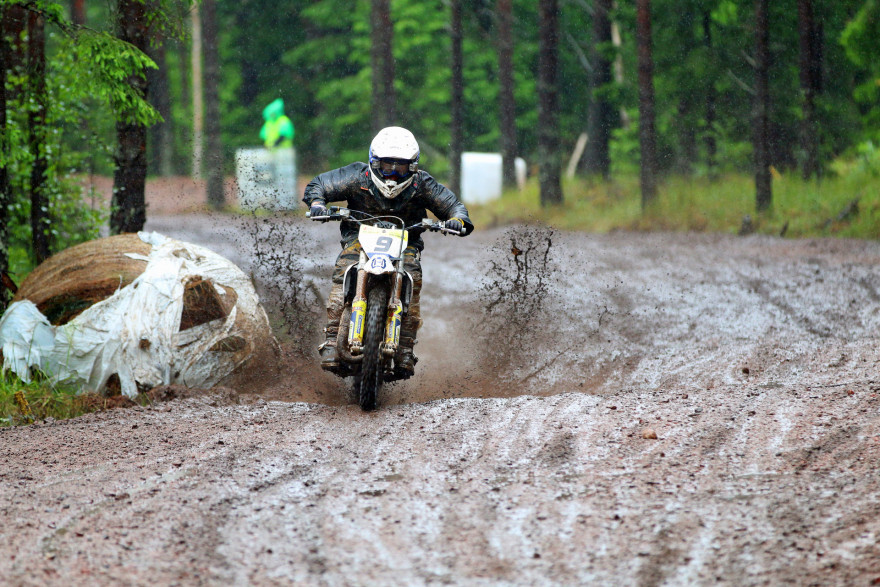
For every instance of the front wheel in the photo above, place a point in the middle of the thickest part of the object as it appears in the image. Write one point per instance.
(374, 333)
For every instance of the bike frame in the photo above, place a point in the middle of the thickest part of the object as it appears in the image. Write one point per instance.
(381, 254)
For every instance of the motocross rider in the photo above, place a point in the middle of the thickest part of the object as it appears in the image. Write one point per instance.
(391, 184)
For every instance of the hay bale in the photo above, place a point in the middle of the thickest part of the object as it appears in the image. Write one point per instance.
(132, 312)
(79, 277)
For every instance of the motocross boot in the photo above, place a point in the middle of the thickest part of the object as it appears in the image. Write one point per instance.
(329, 357)
(404, 359)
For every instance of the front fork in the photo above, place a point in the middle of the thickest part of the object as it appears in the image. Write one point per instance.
(395, 316)
(358, 315)
(359, 312)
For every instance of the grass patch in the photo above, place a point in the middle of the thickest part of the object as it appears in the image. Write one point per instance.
(24, 403)
(843, 205)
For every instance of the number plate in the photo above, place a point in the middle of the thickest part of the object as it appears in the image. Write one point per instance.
(389, 242)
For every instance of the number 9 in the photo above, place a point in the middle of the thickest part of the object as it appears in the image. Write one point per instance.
(383, 244)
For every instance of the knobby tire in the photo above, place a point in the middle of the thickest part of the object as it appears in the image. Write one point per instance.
(374, 333)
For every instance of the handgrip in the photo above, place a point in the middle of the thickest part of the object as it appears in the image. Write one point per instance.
(445, 230)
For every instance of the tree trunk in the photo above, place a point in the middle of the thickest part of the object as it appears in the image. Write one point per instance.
(601, 115)
(382, 63)
(250, 81)
(5, 196)
(128, 211)
(183, 165)
(647, 138)
(247, 63)
(506, 101)
(549, 164)
(78, 12)
(37, 102)
(618, 69)
(213, 142)
(197, 93)
(455, 130)
(711, 142)
(761, 116)
(16, 58)
(810, 75)
(161, 151)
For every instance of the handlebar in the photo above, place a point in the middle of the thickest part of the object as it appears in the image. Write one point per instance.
(437, 226)
(333, 213)
(339, 213)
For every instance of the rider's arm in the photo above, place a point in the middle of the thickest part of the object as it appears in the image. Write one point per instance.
(444, 203)
(334, 185)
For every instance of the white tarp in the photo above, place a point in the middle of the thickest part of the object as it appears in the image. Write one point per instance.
(136, 334)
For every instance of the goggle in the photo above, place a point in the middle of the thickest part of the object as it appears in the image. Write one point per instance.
(399, 167)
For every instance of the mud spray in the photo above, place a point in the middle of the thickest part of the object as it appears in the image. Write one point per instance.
(521, 339)
(283, 253)
(514, 295)
(294, 303)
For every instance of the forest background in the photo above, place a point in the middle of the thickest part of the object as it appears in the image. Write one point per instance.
(698, 113)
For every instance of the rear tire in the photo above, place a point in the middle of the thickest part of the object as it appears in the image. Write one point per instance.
(374, 333)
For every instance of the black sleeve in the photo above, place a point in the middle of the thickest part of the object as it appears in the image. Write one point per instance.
(444, 203)
(334, 185)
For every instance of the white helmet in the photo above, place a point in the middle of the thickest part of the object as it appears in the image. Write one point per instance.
(394, 159)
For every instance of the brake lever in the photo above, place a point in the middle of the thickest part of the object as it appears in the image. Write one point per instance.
(322, 218)
(333, 213)
(445, 231)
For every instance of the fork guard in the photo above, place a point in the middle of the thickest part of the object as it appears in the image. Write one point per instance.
(342, 349)
(342, 339)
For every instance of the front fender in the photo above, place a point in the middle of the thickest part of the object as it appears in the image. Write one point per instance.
(349, 286)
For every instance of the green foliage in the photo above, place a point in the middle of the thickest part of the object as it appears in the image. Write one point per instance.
(87, 85)
(624, 148)
(105, 64)
(315, 55)
(100, 63)
(725, 13)
(859, 41)
(859, 38)
(867, 161)
(41, 400)
(74, 220)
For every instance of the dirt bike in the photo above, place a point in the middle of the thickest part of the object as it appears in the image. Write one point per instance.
(377, 293)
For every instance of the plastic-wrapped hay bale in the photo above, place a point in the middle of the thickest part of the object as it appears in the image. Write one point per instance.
(133, 312)
(74, 279)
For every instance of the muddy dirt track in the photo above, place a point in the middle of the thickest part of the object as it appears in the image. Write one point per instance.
(523, 454)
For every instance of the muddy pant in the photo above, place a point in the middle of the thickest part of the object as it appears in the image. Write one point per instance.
(350, 255)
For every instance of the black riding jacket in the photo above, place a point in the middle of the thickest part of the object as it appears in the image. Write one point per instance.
(353, 184)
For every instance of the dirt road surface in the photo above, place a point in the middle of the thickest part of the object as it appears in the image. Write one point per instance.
(637, 409)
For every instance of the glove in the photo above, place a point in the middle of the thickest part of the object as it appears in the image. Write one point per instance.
(317, 209)
(455, 224)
